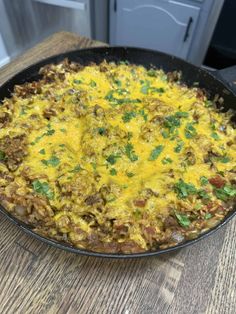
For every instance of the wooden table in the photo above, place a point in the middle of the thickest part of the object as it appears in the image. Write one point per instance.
(36, 278)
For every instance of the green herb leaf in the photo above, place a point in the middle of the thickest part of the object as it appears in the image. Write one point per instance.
(165, 134)
(112, 159)
(76, 169)
(129, 151)
(224, 160)
(208, 216)
(130, 174)
(179, 147)
(113, 172)
(215, 136)
(225, 193)
(203, 194)
(127, 116)
(145, 87)
(204, 180)
(143, 114)
(77, 81)
(190, 131)
(156, 152)
(102, 131)
(118, 83)
(94, 165)
(166, 160)
(183, 190)
(42, 151)
(181, 114)
(152, 73)
(2, 155)
(53, 161)
(43, 188)
(183, 219)
(50, 132)
(93, 84)
(63, 130)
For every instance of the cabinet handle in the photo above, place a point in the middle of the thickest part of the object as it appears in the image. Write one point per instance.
(115, 5)
(186, 35)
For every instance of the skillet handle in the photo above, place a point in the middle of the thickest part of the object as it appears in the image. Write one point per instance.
(228, 75)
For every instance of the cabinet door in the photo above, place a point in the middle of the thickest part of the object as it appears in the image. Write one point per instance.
(167, 26)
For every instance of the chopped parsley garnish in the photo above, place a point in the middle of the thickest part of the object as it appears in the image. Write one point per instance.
(127, 116)
(165, 134)
(76, 169)
(152, 73)
(143, 114)
(118, 82)
(130, 134)
(204, 180)
(42, 151)
(63, 130)
(112, 159)
(208, 216)
(190, 131)
(23, 111)
(203, 194)
(101, 131)
(119, 101)
(225, 193)
(77, 81)
(183, 219)
(50, 132)
(113, 172)
(62, 145)
(43, 188)
(224, 160)
(171, 123)
(129, 151)
(181, 114)
(146, 88)
(215, 136)
(94, 165)
(93, 84)
(129, 174)
(2, 155)
(183, 189)
(166, 160)
(179, 147)
(53, 161)
(156, 152)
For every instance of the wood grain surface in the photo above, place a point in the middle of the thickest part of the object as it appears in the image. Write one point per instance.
(36, 278)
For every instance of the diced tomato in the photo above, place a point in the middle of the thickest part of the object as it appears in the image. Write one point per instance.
(217, 181)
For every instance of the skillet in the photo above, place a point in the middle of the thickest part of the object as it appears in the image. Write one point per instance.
(190, 75)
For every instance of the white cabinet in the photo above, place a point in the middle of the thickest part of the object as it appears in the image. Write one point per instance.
(167, 26)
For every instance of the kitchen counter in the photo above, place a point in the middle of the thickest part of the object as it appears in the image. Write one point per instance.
(36, 278)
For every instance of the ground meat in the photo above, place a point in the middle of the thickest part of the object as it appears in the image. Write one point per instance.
(28, 89)
(5, 117)
(14, 149)
(93, 199)
(49, 112)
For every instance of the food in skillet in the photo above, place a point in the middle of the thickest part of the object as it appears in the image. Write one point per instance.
(115, 157)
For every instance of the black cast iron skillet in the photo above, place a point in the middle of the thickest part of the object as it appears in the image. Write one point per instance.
(190, 75)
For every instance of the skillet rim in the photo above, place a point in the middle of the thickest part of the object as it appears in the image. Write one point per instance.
(69, 248)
